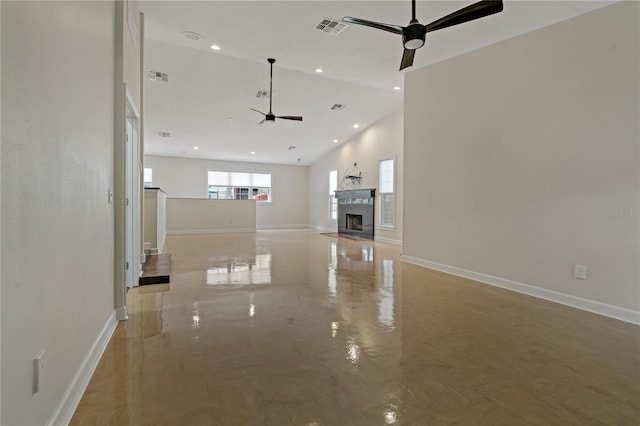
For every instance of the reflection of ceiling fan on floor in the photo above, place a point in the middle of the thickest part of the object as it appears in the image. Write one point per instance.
(270, 116)
(414, 34)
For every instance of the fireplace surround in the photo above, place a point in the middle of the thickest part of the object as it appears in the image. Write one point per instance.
(356, 208)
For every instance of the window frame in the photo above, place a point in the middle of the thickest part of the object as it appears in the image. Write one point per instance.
(144, 181)
(250, 188)
(333, 201)
(381, 194)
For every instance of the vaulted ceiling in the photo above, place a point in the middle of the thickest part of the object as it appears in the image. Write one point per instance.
(206, 102)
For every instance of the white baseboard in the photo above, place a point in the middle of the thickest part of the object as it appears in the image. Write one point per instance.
(210, 231)
(324, 229)
(283, 226)
(600, 308)
(71, 397)
(388, 240)
(121, 313)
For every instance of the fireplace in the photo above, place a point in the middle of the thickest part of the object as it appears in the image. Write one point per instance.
(356, 212)
(354, 222)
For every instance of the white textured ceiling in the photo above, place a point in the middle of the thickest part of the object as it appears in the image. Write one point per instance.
(207, 88)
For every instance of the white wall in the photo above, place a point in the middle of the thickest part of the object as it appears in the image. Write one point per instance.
(203, 216)
(155, 218)
(187, 178)
(379, 141)
(518, 150)
(57, 166)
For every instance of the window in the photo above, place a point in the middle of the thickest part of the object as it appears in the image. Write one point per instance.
(148, 177)
(238, 186)
(386, 193)
(333, 202)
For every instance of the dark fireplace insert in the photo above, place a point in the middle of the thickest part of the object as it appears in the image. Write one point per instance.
(354, 222)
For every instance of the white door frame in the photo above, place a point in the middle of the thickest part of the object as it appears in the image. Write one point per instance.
(132, 195)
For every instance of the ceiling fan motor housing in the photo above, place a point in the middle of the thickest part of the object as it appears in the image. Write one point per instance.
(414, 35)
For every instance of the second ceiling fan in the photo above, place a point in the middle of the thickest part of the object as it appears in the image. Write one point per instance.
(414, 34)
(270, 116)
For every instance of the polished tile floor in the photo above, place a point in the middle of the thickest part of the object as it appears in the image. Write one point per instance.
(296, 328)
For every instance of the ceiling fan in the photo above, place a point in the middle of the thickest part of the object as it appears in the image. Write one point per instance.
(270, 116)
(413, 35)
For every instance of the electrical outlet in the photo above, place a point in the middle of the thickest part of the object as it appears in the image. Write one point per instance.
(38, 371)
(580, 272)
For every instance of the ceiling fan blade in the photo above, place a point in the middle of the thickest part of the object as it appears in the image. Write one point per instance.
(396, 29)
(259, 112)
(263, 120)
(407, 58)
(466, 14)
(290, 117)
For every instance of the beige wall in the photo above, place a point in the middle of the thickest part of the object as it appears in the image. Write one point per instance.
(381, 140)
(520, 154)
(155, 218)
(203, 216)
(57, 167)
(132, 49)
(187, 178)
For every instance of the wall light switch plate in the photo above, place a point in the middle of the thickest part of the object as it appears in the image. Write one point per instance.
(580, 272)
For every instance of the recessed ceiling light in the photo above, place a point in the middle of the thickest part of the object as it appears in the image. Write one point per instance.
(196, 148)
(355, 126)
(215, 47)
(396, 88)
(192, 35)
(253, 153)
(319, 70)
(335, 141)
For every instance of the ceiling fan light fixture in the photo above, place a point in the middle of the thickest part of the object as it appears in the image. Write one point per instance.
(416, 43)
(413, 36)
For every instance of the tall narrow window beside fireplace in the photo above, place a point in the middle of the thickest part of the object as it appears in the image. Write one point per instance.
(386, 178)
(333, 202)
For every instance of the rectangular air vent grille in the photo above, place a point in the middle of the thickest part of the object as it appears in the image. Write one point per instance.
(262, 94)
(331, 26)
(337, 107)
(158, 76)
(164, 134)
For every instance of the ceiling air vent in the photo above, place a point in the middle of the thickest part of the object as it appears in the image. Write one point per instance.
(158, 76)
(331, 26)
(262, 94)
(164, 134)
(337, 107)
(291, 147)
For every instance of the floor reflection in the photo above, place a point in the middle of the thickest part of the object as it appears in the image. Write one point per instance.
(386, 297)
(348, 257)
(240, 271)
(343, 333)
